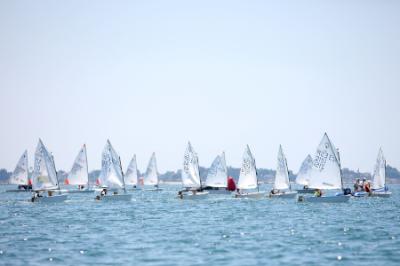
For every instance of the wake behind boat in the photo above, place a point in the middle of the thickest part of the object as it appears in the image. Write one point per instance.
(282, 187)
(326, 174)
(248, 179)
(111, 177)
(44, 178)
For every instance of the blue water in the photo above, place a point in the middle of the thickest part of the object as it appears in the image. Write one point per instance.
(158, 229)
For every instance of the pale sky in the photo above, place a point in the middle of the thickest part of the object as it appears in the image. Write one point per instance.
(152, 75)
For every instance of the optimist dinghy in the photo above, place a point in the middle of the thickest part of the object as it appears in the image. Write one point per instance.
(111, 177)
(150, 179)
(302, 176)
(248, 180)
(282, 188)
(20, 176)
(326, 173)
(131, 175)
(379, 188)
(44, 178)
(191, 181)
(79, 174)
(217, 177)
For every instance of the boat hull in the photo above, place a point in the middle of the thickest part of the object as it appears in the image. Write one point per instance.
(285, 195)
(383, 194)
(324, 199)
(361, 194)
(221, 191)
(251, 195)
(306, 191)
(81, 191)
(52, 199)
(18, 190)
(117, 197)
(153, 189)
(191, 195)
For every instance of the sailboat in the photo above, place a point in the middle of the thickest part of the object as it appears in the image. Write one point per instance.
(131, 175)
(379, 188)
(151, 175)
(217, 177)
(191, 181)
(111, 177)
(326, 173)
(20, 176)
(248, 180)
(44, 177)
(79, 174)
(302, 175)
(282, 187)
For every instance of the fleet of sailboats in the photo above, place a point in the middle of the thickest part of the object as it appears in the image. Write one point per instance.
(319, 175)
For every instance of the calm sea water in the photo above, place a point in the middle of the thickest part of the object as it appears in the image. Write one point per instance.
(158, 229)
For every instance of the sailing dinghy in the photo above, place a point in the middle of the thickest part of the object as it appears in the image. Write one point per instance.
(302, 176)
(79, 174)
(44, 177)
(191, 181)
(217, 177)
(248, 180)
(379, 188)
(131, 175)
(111, 177)
(282, 187)
(150, 178)
(326, 173)
(20, 176)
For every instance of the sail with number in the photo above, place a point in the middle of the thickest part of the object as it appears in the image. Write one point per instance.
(131, 176)
(379, 177)
(282, 172)
(79, 174)
(21, 172)
(111, 174)
(218, 173)
(325, 172)
(151, 175)
(190, 171)
(248, 171)
(44, 175)
(302, 177)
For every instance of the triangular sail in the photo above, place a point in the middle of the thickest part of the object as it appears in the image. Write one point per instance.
(248, 171)
(190, 171)
(302, 177)
(111, 172)
(379, 176)
(79, 172)
(21, 172)
(282, 172)
(131, 176)
(218, 174)
(151, 176)
(325, 172)
(44, 175)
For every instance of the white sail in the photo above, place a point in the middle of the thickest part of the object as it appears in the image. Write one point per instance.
(282, 172)
(111, 172)
(302, 177)
(190, 171)
(218, 174)
(248, 171)
(21, 172)
(151, 176)
(325, 172)
(131, 176)
(379, 176)
(44, 175)
(79, 172)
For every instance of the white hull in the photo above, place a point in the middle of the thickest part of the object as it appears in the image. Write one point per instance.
(325, 199)
(81, 191)
(361, 194)
(251, 195)
(152, 189)
(52, 199)
(306, 191)
(221, 191)
(191, 195)
(383, 194)
(284, 195)
(117, 197)
(19, 190)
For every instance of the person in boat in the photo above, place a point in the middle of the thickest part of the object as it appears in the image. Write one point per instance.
(231, 184)
(273, 192)
(50, 193)
(363, 184)
(103, 192)
(115, 193)
(36, 195)
(318, 193)
(180, 194)
(367, 188)
(305, 187)
(357, 185)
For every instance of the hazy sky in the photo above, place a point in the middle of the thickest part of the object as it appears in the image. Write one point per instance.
(151, 75)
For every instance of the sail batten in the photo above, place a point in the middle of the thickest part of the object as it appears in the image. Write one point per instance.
(79, 171)
(248, 171)
(190, 171)
(379, 176)
(151, 176)
(20, 175)
(282, 172)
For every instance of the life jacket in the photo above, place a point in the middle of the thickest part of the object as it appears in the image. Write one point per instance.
(231, 184)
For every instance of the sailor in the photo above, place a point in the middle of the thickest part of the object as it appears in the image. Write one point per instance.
(103, 192)
(318, 193)
(357, 185)
(50, 193)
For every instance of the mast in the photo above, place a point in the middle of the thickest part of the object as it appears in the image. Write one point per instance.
(287, 168)
(340, 167)
(87, 166)
(123, 178)
(55, 169)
